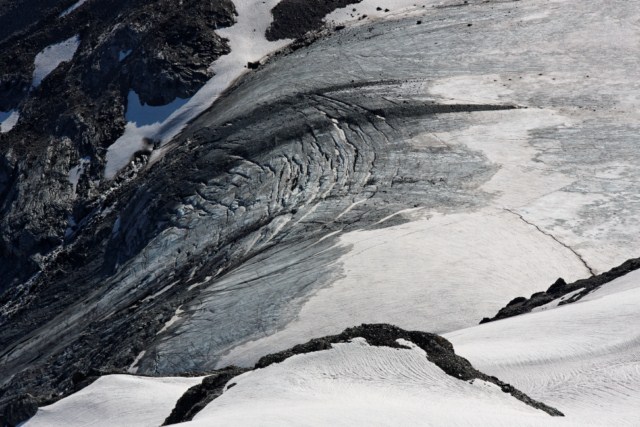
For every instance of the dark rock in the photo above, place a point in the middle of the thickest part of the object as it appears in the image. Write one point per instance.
(20, 410)
(199, 396)
(557, 286)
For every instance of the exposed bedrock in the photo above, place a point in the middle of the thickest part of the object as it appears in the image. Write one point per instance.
(293, 18)
(233, 226)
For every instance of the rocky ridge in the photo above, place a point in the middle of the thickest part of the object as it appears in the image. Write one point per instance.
(578, 290)
(438, 349)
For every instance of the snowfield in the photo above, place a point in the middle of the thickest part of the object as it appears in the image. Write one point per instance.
(357, 384)
(248, 44)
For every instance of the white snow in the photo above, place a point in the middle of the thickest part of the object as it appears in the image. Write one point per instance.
(133, 368)
(143, 121)
(72, 8)
(357, 384)
(582, 358)
(171, 321)
(628, 282)
(122, 400)
(436, 274)
(76, 172)
(50, 57)
(247, 42)
(142, 114)
(557, 301)
(8, 120)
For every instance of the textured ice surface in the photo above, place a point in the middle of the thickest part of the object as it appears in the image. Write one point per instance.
(52, 56)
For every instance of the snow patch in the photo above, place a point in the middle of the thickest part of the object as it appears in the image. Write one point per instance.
(142, 114)
(8, 120)
(72, 8)
(133, 368)
(373, 10)
(76, 172)
(50, 57)
(172, 321)
(556, 302)
(248, 44)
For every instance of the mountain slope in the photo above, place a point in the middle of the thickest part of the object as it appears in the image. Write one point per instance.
(419, 166)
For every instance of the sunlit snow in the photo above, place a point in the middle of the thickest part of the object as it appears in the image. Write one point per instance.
(122, 400)
(50, 57)
(8, 120)
(72, 8)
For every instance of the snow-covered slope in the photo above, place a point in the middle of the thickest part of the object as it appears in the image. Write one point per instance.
(349, 382)
(583, 357)
(247, 42)
(357, 384)
(52, 56)
(111, 400)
